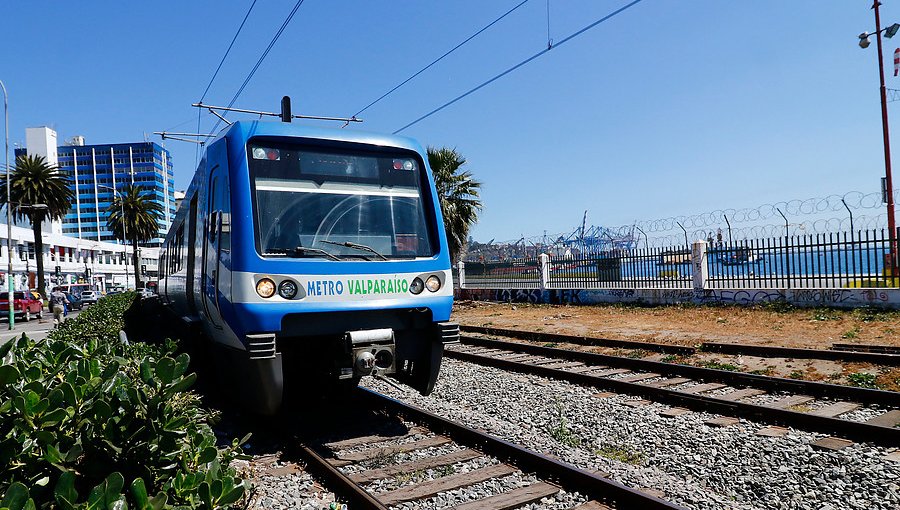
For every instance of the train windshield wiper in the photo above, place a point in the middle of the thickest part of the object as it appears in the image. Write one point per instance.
(357, 246)
(300, 251)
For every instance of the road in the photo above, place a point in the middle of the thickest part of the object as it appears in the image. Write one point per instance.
(36, 329)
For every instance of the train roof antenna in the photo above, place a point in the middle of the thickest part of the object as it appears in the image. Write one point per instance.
(285, 114)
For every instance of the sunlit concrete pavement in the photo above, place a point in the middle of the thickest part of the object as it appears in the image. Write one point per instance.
(36, 329)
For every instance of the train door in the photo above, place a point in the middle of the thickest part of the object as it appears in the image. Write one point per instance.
(214, 243)
(191, 257)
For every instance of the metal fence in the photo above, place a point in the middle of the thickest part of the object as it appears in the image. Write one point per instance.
(512, 274)
(836, 260)
(667, 268)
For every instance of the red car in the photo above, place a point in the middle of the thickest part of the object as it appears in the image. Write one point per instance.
(25, 305)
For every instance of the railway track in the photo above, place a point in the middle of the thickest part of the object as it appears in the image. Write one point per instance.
(806, 405)
(373, 463)
(880, 355)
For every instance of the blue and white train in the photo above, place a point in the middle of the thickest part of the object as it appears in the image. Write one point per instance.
(309, 256)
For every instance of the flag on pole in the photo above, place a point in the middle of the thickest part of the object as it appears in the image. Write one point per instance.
(896, 61)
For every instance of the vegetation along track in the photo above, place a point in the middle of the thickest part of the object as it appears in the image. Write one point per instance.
(352, 461)
(807, 405)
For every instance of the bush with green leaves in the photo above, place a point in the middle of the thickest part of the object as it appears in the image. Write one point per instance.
(87, 422)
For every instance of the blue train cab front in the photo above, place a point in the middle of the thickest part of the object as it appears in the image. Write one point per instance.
(336, 264)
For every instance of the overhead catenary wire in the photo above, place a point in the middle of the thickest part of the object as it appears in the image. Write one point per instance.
(435, 61)
(520, 64)
(219, 68)
(262, 57)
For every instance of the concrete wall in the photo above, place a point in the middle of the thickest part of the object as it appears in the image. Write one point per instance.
(841, 298)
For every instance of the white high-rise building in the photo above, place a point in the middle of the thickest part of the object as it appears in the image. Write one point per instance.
(41, 141)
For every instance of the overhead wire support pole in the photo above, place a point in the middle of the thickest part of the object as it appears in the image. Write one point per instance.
(166, 134)
(217, 114)
(274, 114)
(169, 137)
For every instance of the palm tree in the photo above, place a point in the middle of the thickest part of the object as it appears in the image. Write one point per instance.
(141, 221)
(458, 194)
(37, 190)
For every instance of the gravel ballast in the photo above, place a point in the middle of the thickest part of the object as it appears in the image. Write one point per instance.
(693, 464)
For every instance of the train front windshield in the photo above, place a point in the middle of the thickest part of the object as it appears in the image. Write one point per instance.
(313, 202)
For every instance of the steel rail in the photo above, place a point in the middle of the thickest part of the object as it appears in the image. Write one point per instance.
(357, 497)
(764, 351)
(568, 476)
(768, 351)
(766, 382)
(579, 340)
(857, 431)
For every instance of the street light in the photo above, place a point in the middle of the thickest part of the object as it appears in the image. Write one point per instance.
(124, 228)
(9, 281)
(888, 182)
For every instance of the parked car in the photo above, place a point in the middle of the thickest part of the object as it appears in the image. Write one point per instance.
(144, 292)
(75, 302)
(89, 297)
(24, 305)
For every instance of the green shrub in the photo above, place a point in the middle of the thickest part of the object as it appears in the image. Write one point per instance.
(872, 314)
(777, 306)
(88, 422)
(862, 379)
(851, 334)
(825, 314)
(715, 365)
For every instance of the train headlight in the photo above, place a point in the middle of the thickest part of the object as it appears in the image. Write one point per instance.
(433, 283)
(265, 288)
(287, 289)
(417, 286)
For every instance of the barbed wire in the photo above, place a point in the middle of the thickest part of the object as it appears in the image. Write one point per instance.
(811, 216)
(853, 200)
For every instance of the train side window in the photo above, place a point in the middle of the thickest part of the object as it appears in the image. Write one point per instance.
(224, 215)
(179, 248)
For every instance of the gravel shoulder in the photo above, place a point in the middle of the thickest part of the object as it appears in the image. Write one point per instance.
(691, 463)
(813, 328)
(689, 326)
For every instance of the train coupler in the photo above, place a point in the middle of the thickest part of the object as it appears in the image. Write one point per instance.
(372, 350)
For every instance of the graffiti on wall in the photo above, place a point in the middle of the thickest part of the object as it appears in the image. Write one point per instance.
(800, 297)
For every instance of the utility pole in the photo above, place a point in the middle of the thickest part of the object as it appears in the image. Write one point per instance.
(9, 275)
(892, 228)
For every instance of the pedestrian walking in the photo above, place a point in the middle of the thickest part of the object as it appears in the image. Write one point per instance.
(58, 301)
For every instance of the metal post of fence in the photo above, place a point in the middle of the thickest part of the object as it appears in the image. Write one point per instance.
(701, 269)
(729, 227)
(851, 216)
(646, 239)
(462, 274)
(544, 260)
(787, 249)
(686, 242)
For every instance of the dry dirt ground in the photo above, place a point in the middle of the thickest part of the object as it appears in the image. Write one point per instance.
(816, 328)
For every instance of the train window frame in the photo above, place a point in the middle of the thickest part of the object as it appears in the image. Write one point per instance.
(424, 187)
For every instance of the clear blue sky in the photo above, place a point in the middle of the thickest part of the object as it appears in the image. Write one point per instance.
(672, 107)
